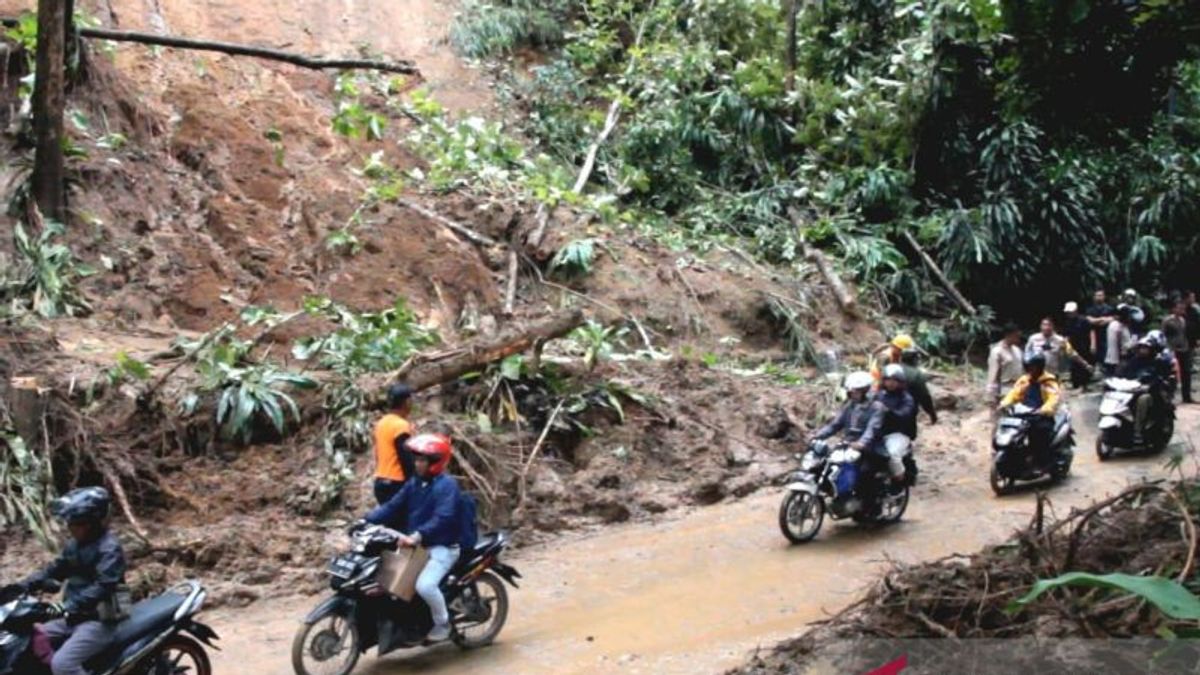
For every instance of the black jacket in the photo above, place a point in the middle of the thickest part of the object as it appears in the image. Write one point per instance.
(91, 571)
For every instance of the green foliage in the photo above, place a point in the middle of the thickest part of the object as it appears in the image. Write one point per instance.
(1167, 595)
(45, 278)
(598, 341)
(366, 342)
(575, 258)
(352, 118)
(486, 29)
(26, 486)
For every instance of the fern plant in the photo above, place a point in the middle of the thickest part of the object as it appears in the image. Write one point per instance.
(575, 259)
(47, 275)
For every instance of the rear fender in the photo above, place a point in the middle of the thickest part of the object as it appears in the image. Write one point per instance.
(1110, 422)
(336, 604)
(202, 633)
(506, 572)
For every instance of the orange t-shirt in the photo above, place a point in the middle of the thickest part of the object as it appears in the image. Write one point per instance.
(387, 430)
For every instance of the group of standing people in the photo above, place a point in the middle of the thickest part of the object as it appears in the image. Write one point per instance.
(1102, 337)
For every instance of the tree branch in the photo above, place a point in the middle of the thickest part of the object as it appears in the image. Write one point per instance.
(403, 67)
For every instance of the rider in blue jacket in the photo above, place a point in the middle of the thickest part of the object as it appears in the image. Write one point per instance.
(426, 509)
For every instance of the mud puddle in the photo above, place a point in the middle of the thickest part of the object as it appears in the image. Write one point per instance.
(694, 593)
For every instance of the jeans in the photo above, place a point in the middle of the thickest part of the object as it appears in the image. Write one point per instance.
(386, 489)
(441, 559)
(82, 642)
(897, 446)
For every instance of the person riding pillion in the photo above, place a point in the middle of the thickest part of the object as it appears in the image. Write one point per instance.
(1154, 366)
(895, 349)
(1039, 390)
(899, 427)
(860, 419)
(426, 510)
(92, 565)
(393, 460)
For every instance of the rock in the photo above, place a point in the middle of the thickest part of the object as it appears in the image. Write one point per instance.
(946, 400)
(547, 485)
(261, 576)
(738, 455)
(773, 423)
(609, 481)
(709, 489)
(610, 510)
(754, 478)
(654, 505)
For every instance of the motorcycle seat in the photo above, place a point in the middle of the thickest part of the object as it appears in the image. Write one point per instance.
(148, 616)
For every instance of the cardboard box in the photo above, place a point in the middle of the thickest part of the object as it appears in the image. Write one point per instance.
(398, 571)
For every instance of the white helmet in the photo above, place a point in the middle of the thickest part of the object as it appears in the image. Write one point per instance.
(860, 379)
(895, 371)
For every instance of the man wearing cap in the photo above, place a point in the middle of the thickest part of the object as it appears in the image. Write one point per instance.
(1079, 334)
(1057, 350)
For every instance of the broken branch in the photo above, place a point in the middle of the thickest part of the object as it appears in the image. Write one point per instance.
(958, 298)
(466, 232)
(313, 63)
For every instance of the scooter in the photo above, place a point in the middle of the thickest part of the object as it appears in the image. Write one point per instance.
(1014, 458)
(844, 483)
(1117, 419)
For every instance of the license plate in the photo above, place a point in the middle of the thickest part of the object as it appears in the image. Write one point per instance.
(341, 568)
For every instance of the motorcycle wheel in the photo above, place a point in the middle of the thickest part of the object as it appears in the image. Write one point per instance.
(797, 509)
(492, 597)
(892, 512)
(318, 645)
(1104, 446)
(1000, 485)
(180, 655)
(1164, 435)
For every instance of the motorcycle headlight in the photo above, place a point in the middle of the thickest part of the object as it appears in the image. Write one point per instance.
(809, 462)
(1005, 437)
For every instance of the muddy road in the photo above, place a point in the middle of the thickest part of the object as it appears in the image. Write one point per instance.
(695, 592)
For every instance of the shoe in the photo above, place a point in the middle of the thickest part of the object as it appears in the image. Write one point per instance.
(439, 634)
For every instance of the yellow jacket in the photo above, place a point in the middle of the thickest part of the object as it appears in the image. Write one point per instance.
(1050, 395)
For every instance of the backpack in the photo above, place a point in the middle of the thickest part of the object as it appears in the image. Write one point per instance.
(467, 532)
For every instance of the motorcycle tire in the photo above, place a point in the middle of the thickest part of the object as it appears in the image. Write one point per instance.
(798, 500)
(1166, 432)
(170, 657)
(1104, 446)
(300, 647)
(498, 615)
(898, 511)
(1000, 485)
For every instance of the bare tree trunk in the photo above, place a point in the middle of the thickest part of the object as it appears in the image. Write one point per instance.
(792, 7)
(958, 298)
(49, 99)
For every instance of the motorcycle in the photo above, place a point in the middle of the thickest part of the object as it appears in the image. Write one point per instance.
(844, 483)
(361, 614)
(161, 635)
(1013, 457)
(1117, 419)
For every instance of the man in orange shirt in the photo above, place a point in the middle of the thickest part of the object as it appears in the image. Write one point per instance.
(393, 459)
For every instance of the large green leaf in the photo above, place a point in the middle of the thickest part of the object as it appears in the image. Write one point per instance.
(1168, 596)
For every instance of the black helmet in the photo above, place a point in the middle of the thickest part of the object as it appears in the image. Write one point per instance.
(398, 394)
(89, 503)
(1035, 360)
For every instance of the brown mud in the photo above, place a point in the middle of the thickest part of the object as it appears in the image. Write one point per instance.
(695, 592)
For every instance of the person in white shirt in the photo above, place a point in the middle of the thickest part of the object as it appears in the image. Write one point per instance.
(1004, 364)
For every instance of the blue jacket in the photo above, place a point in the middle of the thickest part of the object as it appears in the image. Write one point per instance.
(429, 507)
(92, 572)
(901, 412)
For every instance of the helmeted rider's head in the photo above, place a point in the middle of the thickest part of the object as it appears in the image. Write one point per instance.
(894, 377)
(899, 345)
(1035, 364)
(1151, 344)
(1130, 296)
(431, 453)
(399, 399)
(85, 511)
(1071, 309)
(857, 385)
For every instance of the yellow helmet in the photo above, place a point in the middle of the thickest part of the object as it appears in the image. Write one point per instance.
(903, 342)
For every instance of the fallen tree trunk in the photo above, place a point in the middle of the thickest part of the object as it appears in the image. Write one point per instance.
(958, 298)
(482, 352)
(234, 49)
(463, 230)
(841, 292)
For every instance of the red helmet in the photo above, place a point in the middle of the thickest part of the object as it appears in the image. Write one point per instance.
(436, 447)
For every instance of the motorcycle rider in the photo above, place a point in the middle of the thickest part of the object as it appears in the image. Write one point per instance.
(860, 419)
(93, 566)
(1038, 390)
(393, 460)
(899, 426)
(1153, 366)
(426, 507)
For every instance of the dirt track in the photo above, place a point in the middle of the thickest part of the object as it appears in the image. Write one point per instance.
(695, 593)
